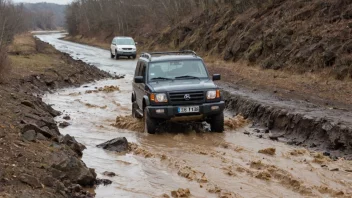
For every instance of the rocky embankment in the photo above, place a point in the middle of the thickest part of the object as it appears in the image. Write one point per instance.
(36, 160)
(295, 122)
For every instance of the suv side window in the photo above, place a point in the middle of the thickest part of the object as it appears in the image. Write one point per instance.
(114, 41)
(143, 69)
(136, 73)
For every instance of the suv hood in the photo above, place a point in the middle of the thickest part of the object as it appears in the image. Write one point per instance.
(182, 85)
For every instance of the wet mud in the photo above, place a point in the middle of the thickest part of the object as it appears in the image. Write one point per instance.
(181, 158)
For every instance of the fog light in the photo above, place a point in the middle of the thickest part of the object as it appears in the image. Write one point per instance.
(160, 111)
(214, 108)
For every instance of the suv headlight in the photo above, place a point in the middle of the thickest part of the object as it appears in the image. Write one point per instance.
(211, 95)
(119, 48)
(160, 97)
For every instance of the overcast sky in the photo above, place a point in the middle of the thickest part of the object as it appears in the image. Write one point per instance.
(48, 1)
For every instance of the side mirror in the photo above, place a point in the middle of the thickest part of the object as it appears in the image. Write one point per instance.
(139, 79)
(136, 43)
(216, 77)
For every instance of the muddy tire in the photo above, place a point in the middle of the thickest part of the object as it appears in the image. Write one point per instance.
(112, 55)
(134, 111)
(149, 123)
(134, 57)
(217, 123)
(116, 56)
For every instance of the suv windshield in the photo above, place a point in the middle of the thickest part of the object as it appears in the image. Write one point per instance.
(125, 41)
(181, 69)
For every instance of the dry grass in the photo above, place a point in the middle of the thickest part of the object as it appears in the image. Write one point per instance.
(88, 41)
(30, 57)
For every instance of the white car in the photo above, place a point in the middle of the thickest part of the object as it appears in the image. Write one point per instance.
(123, 46)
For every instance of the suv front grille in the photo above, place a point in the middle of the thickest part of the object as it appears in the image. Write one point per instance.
(127, 48)
(182, 97)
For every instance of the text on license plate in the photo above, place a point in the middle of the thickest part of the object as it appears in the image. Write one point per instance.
(193, 109)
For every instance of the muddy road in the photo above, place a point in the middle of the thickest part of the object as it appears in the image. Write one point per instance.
(231, 164)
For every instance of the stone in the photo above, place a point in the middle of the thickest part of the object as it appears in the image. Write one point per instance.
(41, 137)
(334, 169)
(74, 169)
(73, 144)
(104, 182)
(109, 174)
(29, 135)
(30, 180)
(67, 117)
(28, 104)
(28, 127)
(326, 153)
(48, 181)
(117, 145)
(64, 124)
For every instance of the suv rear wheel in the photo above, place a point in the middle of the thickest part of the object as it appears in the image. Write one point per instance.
(217, 123)
(135, 114)
(149, 123)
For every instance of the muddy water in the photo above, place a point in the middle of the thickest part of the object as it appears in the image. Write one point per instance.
(208, 164)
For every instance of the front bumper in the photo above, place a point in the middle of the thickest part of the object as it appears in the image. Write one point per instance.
(169, 112)
(126, 53)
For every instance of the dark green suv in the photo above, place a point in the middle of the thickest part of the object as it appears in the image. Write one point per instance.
(176, 86)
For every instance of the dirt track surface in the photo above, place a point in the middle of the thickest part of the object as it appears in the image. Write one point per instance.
(231, 164)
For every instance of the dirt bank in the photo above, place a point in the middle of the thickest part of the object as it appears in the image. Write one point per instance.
(296, 122)
(36, 159)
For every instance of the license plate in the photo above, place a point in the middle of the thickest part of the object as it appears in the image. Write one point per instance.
(194, 109)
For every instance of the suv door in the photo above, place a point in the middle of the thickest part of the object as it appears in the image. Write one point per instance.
(113, 46)
(140, 87)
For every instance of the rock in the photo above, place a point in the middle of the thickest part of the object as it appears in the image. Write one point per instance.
(104, 182)
(73, 144)
(256, 130)
(67, 117)
(74, 169)
(76, 188)
(117, 145)
(64, 124)
(109, 174)
(326, 153)
(41, 137)
(30, 180)
(350, 171)
(246, 133)
(28, 104)
(334, 169)
(48, 181)
(29, 135)
(260, 136)
(34, 127)
(324, 166)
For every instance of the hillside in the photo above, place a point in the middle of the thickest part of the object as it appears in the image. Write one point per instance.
(302, 36)
(46, 15)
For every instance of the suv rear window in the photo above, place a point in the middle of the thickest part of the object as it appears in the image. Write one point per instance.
(177, 69)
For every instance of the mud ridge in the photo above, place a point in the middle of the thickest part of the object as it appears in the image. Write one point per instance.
(295, 128)
(44, 162)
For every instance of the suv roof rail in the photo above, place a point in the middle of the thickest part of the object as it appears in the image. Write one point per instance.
(149, 55)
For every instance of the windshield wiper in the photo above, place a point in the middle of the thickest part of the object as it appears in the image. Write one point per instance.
(161, 78)
(187, 76)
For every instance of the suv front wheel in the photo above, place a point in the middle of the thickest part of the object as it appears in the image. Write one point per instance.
(149, 123)
(217, 123)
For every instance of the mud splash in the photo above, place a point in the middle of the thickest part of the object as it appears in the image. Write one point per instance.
(105, 89)
(236, 122)
(130, 123)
